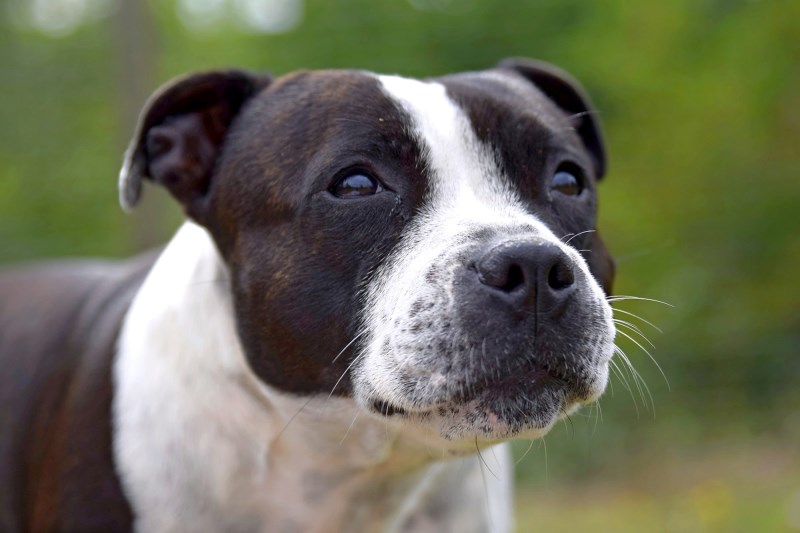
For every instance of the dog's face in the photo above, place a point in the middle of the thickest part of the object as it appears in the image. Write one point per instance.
(425, 247)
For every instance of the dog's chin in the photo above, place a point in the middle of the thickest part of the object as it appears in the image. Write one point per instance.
(523, 408)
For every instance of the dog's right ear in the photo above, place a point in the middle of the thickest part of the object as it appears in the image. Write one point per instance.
(180, 134)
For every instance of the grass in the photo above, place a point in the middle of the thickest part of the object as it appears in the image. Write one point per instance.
(724, 489)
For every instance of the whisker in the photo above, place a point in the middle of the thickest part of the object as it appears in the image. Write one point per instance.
(622, 297)
(291, 419)
(568, 422)
(480, 456)
(618, 372)
(623, 378)
(633, 373)
(481, 463)
(579, 234)
(633, 328)
(546, 472)
(346, 370)
(635, 377)
(518, 461)
(584, 113)
(638, 379)
(618, 310)
(637, 343)
(611, 384)
(588, 416)
(630, 325)
(494, 456)
(346, 433)
(597, 417)
(359, 335)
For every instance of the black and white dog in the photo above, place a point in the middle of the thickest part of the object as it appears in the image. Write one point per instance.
(374, 284)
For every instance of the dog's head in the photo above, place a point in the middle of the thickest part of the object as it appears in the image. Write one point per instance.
(425, 247)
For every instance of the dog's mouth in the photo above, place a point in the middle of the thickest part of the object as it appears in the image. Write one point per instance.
(521, 403)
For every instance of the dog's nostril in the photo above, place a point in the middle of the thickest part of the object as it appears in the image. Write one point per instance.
(527, 273)
(514, 278)
(560, 276)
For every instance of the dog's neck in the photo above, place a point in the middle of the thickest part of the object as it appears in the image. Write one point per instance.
(252, 458)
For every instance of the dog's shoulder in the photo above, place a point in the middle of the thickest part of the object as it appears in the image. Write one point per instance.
(58, 327)
(78, 304)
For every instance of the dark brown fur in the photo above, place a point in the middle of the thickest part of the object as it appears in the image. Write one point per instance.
(58, 329)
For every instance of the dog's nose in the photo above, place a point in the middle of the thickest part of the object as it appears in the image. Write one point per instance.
(527, 274)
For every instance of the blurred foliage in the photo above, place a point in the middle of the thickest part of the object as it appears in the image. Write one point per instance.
(701, 104)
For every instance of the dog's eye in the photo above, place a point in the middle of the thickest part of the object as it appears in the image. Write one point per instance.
(568, 180)
(355, 185)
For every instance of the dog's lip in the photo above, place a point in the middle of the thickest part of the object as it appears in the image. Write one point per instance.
(387, 408)
(523, 381)
(513, 383)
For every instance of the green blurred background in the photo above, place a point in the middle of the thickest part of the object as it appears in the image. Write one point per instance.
(701, 104)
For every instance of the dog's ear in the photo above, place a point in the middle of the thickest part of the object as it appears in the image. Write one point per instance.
(567, 94)
(180, 134)
(601, 264)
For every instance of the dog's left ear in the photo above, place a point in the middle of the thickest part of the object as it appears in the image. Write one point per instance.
(567, 94)
(180, 134)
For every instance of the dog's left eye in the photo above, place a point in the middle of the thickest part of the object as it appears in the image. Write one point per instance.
(355, 185)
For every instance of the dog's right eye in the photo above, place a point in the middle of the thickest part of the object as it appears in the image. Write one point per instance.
(356, 185)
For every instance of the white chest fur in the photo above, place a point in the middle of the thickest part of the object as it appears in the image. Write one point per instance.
(202, 445)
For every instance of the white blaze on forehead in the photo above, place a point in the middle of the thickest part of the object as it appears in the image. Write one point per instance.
(463, 171)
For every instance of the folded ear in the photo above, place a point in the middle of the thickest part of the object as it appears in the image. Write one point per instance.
(601, 264)
(180, 134)
(567, 94)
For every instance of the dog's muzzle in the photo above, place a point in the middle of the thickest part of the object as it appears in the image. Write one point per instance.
(490, 339)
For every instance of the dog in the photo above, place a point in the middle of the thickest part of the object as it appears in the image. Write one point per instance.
(381, 280)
